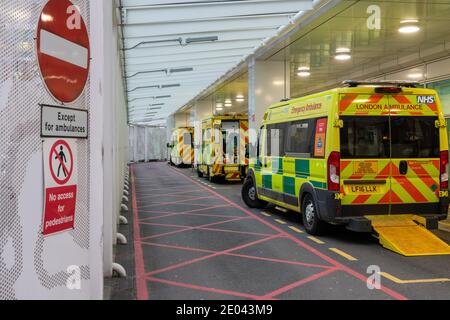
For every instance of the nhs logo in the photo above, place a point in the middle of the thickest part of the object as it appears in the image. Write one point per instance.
(425, 99)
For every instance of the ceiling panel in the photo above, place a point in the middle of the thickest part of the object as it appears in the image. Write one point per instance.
(373, 52)
(173, 50)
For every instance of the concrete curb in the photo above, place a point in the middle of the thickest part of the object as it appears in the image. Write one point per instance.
(444, 225)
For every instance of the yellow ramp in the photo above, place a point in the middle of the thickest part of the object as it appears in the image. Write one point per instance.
(403, 234)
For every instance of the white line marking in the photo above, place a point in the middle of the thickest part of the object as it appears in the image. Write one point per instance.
(63, 49)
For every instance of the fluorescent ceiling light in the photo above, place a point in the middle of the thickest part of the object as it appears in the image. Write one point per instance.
(158, 86)
(170, 85)
(181, 41)
(151, 97)
(175, 70)
(168, 71)
(278, 83)
(201, 39)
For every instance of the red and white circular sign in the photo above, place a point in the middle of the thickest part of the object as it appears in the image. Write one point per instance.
(63, 50)
(61, 162)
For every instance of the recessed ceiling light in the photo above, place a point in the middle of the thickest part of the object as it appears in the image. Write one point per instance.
(219, 105)
(342, 50)
(415, 75)
(303, 72)
(409, 21)
(410, 28)
(343, 56)
(219, 109)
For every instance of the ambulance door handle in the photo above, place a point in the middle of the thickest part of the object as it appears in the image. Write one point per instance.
(403, 168)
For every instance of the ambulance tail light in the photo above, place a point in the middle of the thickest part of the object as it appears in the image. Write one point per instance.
(444, 170)
(334, 171)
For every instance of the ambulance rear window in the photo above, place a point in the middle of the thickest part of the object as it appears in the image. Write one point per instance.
(414, 137)
(365, 137)
(187, 139)
(389, 137)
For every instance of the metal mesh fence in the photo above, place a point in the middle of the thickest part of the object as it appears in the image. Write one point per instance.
(21, 92)
(147, 143)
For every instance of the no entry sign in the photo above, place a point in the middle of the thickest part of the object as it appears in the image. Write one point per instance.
(60, 177)
(63, 50)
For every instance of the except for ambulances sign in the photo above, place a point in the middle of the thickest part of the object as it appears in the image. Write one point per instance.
(63, 122)
(63, 51)
(60, 178)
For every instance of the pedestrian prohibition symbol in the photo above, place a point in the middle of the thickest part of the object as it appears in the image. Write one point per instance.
(61, 162)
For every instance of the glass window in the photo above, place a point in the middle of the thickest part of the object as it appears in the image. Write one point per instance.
(275, 139)
(208, 134)
(414, 137)
(261, 136)
(443, 90)
(230, 137)
(216, 134)
(365, 137)
(187, 139)
(300, 140)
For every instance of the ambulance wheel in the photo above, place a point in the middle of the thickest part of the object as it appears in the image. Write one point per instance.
(311, 221)
(199, 173)
(250, 196)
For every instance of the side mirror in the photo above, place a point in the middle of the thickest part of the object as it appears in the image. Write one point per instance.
(168, 145)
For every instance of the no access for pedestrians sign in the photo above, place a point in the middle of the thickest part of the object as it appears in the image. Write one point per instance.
(60, 178)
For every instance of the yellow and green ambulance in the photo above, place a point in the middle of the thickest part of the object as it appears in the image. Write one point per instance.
(368, 148)
(223, 152)
(182, 147)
